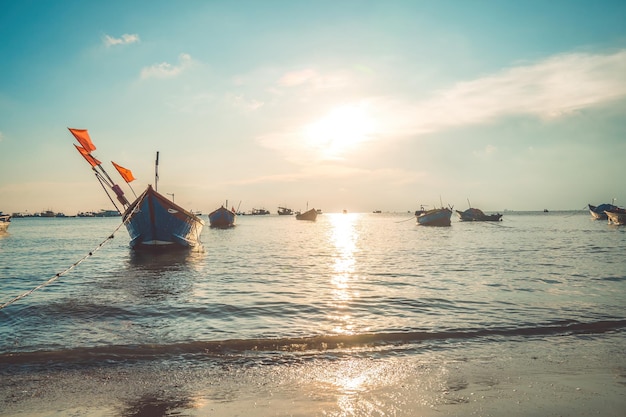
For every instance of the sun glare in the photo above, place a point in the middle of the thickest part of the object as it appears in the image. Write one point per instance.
(343, 129)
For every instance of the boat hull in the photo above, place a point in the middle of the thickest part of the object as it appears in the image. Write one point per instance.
(309, 215)
(476, 215)
(435, 217)
(616, 217)
(222, 218)
(154, 222)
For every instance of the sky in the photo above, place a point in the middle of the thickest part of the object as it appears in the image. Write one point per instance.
(356, 105)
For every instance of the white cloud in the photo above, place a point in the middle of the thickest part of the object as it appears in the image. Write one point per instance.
(167, 70)
(124, 40)
(558, 86)
(294, 78)
(244, 103)
(313, 79)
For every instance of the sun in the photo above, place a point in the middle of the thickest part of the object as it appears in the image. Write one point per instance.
(341, 130)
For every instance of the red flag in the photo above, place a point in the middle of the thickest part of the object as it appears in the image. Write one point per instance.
(124, 172)
(92, 161)
(82, 136)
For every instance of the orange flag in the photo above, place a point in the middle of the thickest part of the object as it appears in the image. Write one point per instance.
(82, 136)
(92, 161)
(124, 172)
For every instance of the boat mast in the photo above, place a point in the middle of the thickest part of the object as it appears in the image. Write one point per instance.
(156, 172)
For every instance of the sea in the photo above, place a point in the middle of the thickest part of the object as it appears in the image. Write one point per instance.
(353, 314)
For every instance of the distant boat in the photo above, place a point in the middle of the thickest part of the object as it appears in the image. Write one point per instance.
(107, 213)
(477, 215)
(259, 212)
(598, 212)
(5, 221)
(434, 217)
(222, 218)
(377, 212)
(310, 215)
(284, 211)
(616, 216)
(152, 220)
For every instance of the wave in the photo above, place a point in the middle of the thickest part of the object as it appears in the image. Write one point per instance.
(313, 343)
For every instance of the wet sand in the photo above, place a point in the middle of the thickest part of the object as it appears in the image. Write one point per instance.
(559, 376)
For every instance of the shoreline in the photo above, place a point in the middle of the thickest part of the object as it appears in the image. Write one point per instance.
(536, 376)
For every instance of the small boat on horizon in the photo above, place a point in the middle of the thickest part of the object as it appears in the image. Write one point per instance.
(259, 212)
(284, 211)
(152, 220)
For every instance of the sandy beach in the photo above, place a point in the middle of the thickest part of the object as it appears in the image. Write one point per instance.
(559, 376)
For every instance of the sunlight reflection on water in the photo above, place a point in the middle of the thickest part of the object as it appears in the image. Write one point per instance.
(343, 236)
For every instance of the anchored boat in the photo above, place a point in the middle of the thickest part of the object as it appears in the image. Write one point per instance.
(222, 218)
(434, 217)
(152, 220)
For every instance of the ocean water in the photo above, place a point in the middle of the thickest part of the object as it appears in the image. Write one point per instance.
(274, 293)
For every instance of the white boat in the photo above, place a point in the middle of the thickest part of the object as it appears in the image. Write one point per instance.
(5, 221)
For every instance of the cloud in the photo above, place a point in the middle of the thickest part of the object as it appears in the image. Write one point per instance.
(244, 103)
(555, 87)
(167, 70)
(295, 78)
(124, 40)
(313, 79)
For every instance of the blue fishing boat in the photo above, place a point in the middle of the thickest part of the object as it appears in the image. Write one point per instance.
(155, 222)
(152, 220)
(222, 218)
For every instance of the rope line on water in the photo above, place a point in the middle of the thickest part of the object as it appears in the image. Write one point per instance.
(58, 275)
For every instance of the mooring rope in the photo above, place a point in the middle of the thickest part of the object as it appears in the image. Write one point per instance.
(57, 276)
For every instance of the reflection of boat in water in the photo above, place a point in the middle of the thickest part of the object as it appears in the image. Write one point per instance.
(152, 220)
(310, 215)
(477, 215)
(222, 218)
(284, 211)
(598, 212)
(5, 221)
(434, 217)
